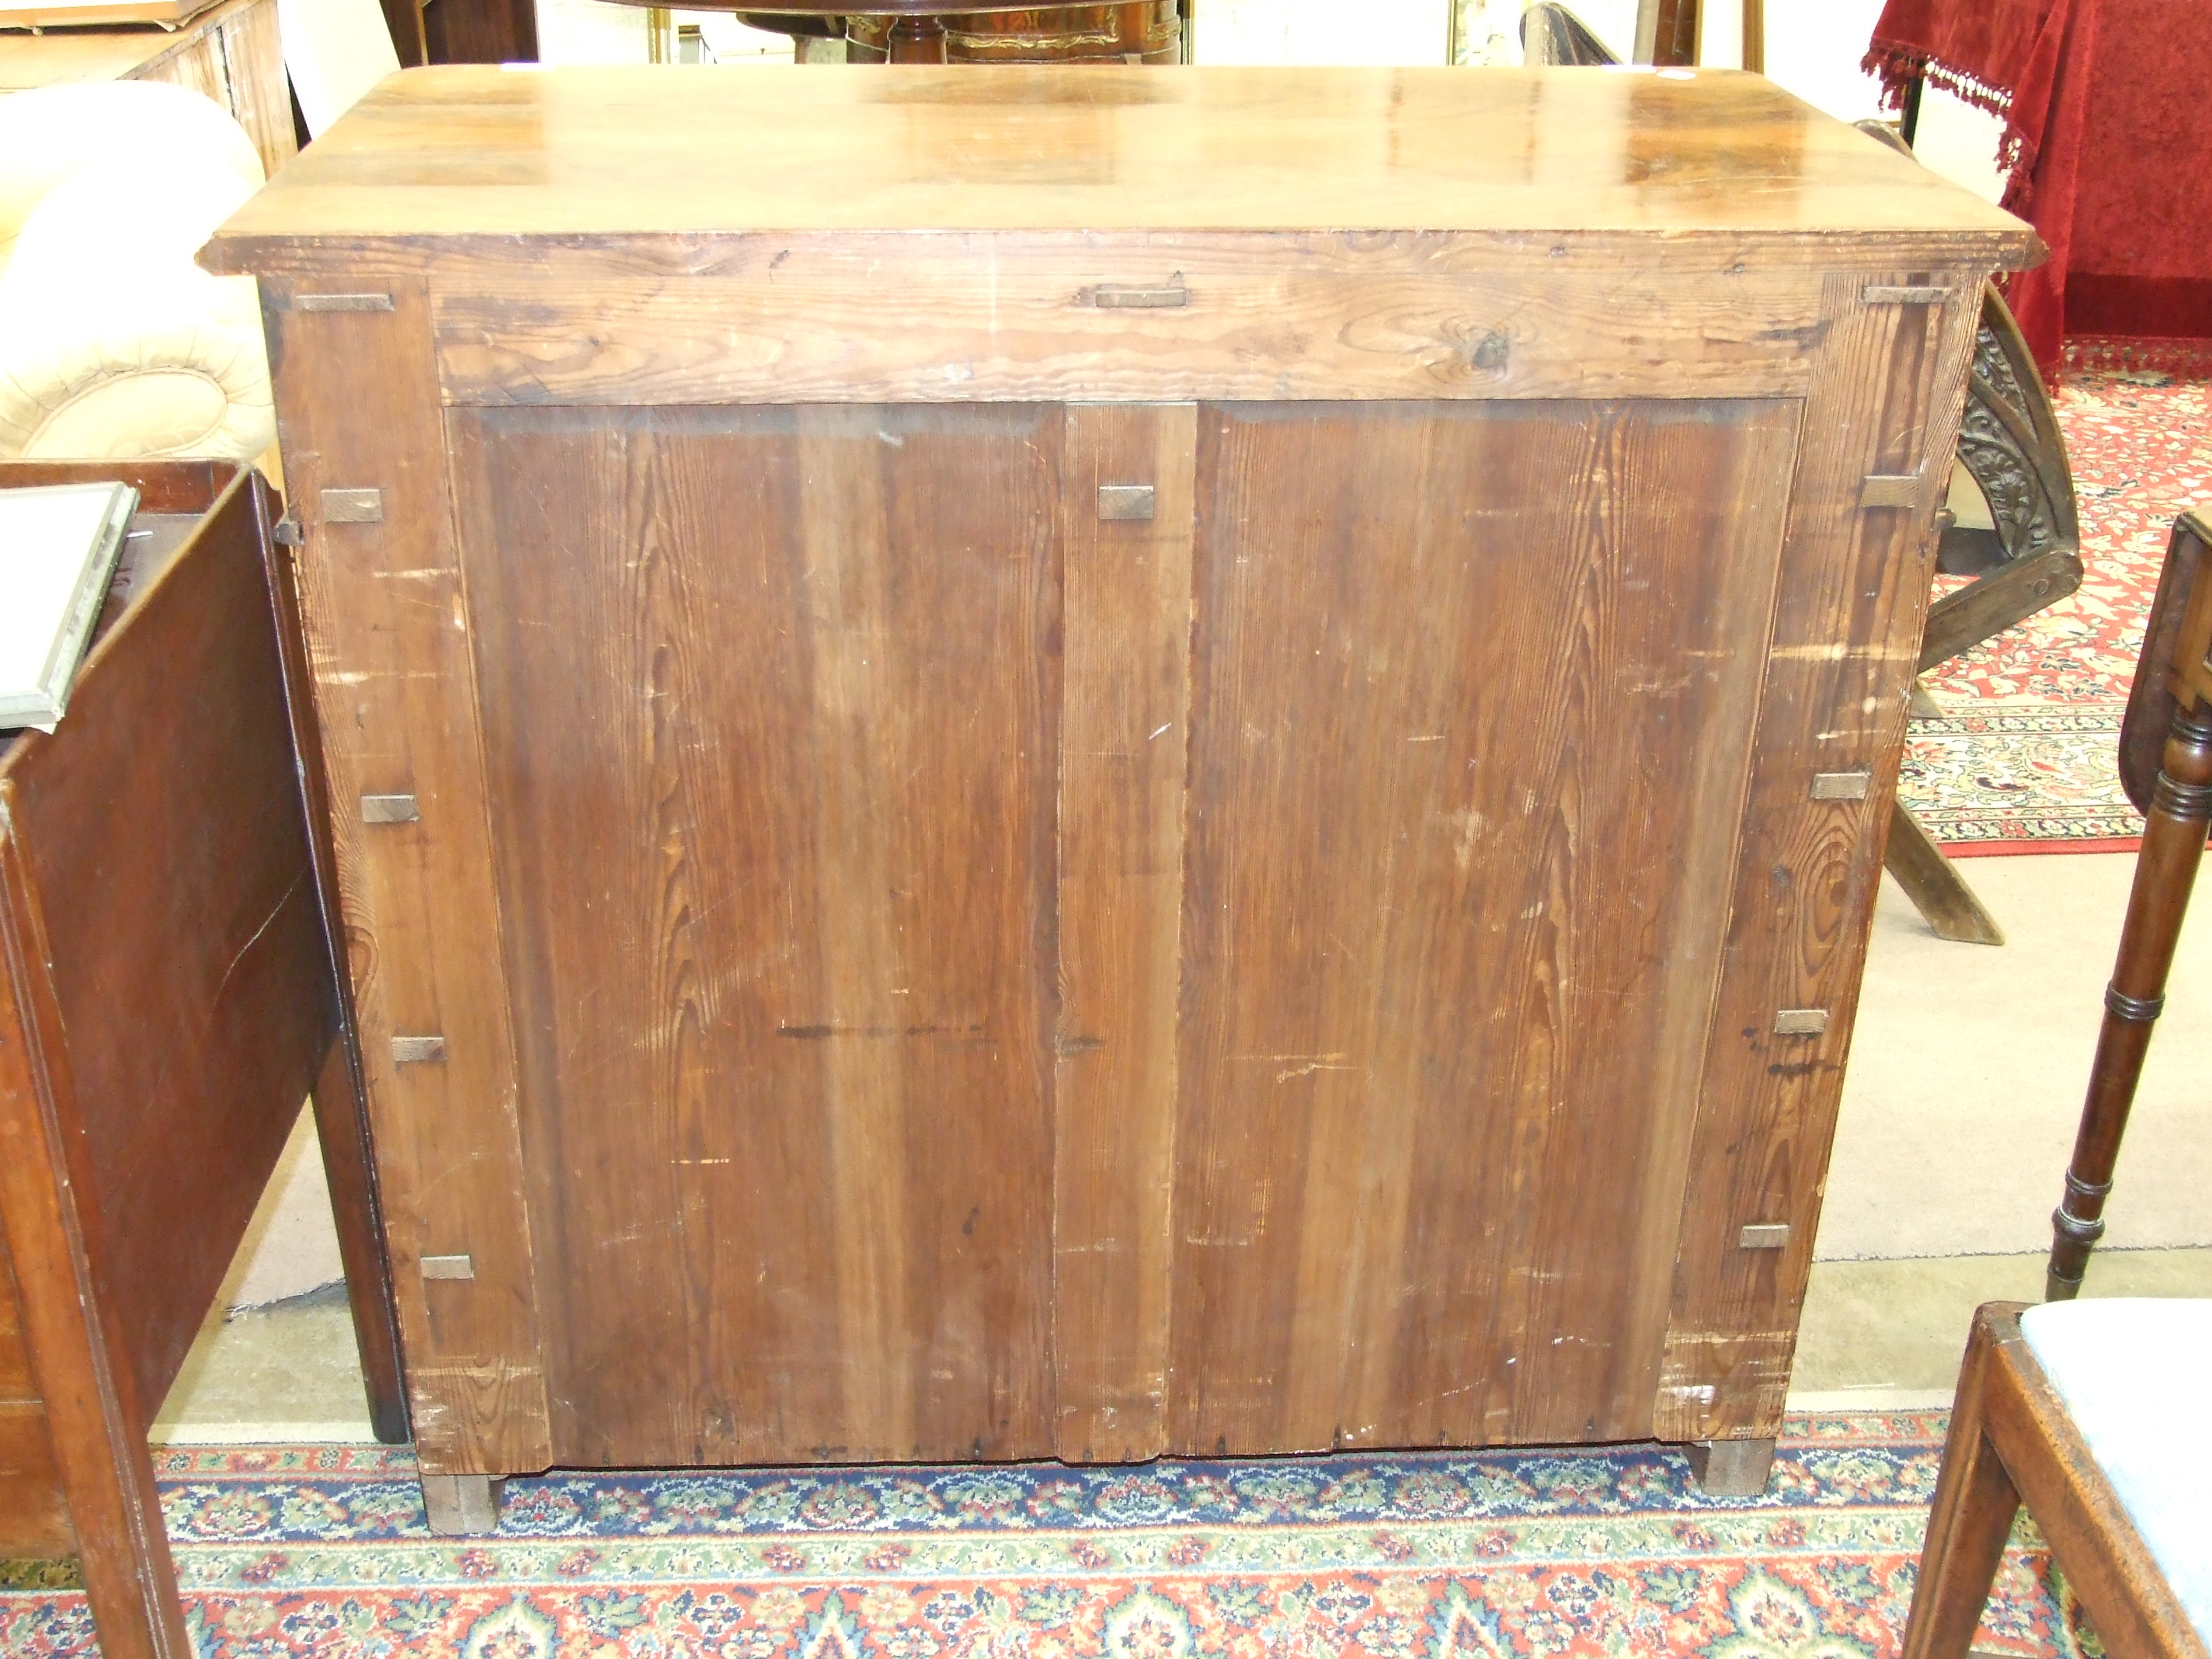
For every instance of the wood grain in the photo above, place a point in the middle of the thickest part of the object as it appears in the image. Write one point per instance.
(802, 850)
(1091, 152)
(193, 979)
(1887, 394)
(94, 1416)
(1124, 730)
(34, 1523)
(776, 825)
(229, 53)
(34, 1516)
(388, 644)
(1430, 903)
(1248, 328)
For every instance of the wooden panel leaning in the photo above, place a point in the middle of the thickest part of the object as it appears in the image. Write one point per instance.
(2166, 764)
(167, 998)
(1200, 771)
(2012, 1444)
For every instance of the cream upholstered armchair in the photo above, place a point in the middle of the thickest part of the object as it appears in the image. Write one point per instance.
(113, 344)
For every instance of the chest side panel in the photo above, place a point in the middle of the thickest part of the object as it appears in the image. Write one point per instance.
(769, 698)
(1473, 687)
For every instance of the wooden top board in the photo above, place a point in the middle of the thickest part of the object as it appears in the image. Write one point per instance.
(107, 53)
(604, 153)
(97, 13)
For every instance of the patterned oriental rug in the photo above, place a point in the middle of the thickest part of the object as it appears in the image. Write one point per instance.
(2023, 759)
(321, 1550)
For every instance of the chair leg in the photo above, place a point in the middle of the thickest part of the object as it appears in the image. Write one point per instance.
(2165, 870)
(1972, 1515)
(1933, 884)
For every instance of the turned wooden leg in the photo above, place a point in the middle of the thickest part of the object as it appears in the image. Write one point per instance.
(1732, 1468)
(915, 41)
(462, 1505)
(1933, 884)
(1972, 1518)
(2166, 869)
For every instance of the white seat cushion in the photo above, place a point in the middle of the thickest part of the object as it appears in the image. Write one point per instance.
(2136, 1374)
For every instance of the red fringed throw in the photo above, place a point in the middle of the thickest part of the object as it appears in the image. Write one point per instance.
(2105, 152)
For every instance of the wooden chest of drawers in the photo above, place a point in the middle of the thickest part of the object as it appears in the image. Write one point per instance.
(1097, 763)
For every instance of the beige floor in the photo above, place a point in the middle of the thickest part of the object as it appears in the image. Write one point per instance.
(1969, 1063)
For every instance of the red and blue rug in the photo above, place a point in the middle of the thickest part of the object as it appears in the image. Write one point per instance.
(2023, 760)
(322, 1551)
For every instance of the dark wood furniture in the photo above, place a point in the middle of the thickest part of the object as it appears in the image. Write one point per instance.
(230, 52)
(2012, 1443)
(1046, 802)
(2165, 766)
(1667, 33)
(462, 31)
(960, 31)
(168, 996)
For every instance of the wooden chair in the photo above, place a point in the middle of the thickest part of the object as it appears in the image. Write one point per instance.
(2083, 1414)
(2165, 767)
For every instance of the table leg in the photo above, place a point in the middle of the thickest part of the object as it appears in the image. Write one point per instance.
(2165, 870)
(917, 41)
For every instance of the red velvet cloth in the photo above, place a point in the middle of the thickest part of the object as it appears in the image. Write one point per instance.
(2107, 153)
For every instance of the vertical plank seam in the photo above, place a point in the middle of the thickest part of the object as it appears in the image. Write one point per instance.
(501, 996)
(1186, 460)
(1676, 1202)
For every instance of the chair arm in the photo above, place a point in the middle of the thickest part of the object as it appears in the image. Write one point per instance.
(113, 343)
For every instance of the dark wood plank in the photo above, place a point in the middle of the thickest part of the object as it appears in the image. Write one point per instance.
(1887, 386)
(777, 819)
(1961, 620)
(395, 696)
(1124, 730)
(1469, 683)
(191, 976)
(34, 1513)
(94, 1416)
(34, 1522)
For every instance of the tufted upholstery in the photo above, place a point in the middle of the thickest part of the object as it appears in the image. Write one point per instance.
(113, 344)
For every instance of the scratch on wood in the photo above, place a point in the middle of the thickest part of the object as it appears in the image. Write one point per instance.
(816, 1033)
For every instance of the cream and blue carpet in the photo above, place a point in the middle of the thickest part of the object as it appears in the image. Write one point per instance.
(322, 1551)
